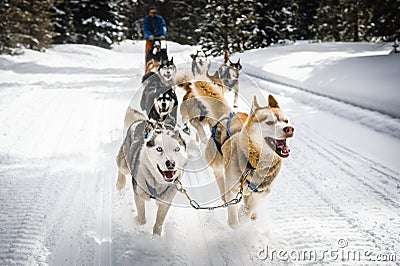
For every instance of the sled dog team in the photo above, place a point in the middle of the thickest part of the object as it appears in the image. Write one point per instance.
(245, 150)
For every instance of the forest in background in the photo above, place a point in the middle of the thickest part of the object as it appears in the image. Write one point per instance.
(216, 25)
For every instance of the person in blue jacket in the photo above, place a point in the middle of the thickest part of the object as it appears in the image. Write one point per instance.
(153, 26)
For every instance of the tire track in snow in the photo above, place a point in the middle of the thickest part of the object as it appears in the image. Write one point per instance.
(23, 213)
(361, 208)
(333, 202)
(70, 224)
(206, 250)
(363, 191)
(377, 178)
(214, 242)
(27, 208)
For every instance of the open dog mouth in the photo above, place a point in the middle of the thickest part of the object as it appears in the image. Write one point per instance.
(279, 146)
(168, 174)
(167, 76)
(162, 111)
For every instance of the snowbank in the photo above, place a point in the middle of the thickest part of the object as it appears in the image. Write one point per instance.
(361, 74)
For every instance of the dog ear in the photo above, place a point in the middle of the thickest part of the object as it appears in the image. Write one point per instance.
(255, 104)
(177, 135)
(172, 60)
(272, 102)
(193, 56)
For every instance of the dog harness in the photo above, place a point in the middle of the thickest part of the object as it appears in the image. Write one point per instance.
(203, 115)
(250, 185)
(228, 131)
(153, 191)
(250, 168)
(253, 187)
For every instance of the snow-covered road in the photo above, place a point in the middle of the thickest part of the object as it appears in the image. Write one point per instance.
(61, 127)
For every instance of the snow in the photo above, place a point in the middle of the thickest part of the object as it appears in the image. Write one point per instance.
(362, 74)
(62, 123)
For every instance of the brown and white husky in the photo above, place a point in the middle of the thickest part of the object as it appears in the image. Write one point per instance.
(246, 151)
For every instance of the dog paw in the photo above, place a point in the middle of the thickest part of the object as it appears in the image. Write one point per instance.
(157, 230)
(244, 211)
(140, 221)
(234, 224)
(120, 186)
(121, 181)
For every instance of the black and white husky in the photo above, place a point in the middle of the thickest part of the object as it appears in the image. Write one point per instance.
(159, 99)
(155, 157)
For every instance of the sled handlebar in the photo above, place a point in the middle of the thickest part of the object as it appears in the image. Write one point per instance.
(158, 39)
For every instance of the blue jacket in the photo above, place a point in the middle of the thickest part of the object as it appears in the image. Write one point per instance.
(154, 26)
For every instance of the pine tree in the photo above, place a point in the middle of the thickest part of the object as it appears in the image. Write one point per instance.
(64, 23)
(226, 25)
(97, 22)
(42, 24)
(182, 18)
(357, 20)
(276, 20)
(26, 24)
(343, 20)
(386, 17)
(132, 13)
(307, 10)
(6, 27)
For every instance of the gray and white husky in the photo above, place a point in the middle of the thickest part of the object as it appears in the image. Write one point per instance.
(155, 157)
(229, 74)
(200, 65)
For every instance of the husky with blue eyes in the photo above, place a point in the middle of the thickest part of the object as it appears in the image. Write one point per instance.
(155, 157)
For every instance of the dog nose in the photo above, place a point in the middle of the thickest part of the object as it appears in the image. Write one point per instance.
(170, 164)
(289, 131)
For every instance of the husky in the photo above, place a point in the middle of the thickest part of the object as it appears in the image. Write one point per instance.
(203, 104)
(246, 151)
(155, 158)
(229, 74)
(200, 65)
(165, 109)
(159, 99)
(153, 67)
(200, 70)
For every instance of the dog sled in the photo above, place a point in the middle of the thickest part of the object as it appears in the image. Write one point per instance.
(158, 51)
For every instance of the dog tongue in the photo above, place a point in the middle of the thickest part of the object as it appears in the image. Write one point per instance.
(281, 144)
(169, 174)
